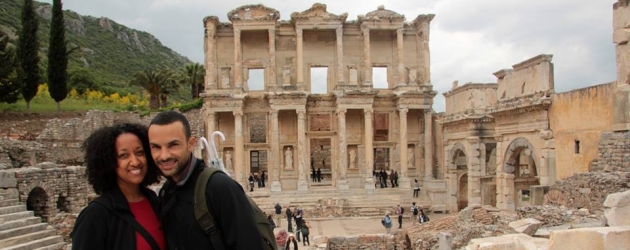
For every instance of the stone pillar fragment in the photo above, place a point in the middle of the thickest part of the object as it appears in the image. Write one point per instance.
(402, 142)
(340, 76)
(367, 56)
(342, 182)
(238, 58)
(210, 49)
(401, 54)
(272, 77)
(274, 172)
(301, 151)
(474, 171)
(369, 149)
(300, 57)
(428, 144)
(239, 149)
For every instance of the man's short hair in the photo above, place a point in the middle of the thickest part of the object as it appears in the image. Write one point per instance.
(169, 117)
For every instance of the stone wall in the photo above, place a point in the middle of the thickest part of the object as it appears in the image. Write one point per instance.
(587, 190)
(614, 153)
(371, 241)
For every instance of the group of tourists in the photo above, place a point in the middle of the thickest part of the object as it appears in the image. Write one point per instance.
(259, 178)
(124, 159)
(383, 177)
(418, 216)
(316, 175)
(295, 219)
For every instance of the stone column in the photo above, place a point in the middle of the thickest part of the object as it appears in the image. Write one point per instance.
(402, 142)
(428, 145)
(342, 182)
(401, 54)
(300, 58)
(275, 158)
(340, 76)
(367, 56)
(474, 171)
(621, 37)
(508, 192)
(500, 184)
(426, 54)
(369, 149)
(210, 47)
(211, 126)
(238, 58)
(239, 149)
(301, 151)
(272, 58)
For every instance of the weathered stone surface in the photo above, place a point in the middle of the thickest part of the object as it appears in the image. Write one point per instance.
(7, 180)
(527, 226)
(617, 209)
(508, 242)
(599, 238)
(601, 185)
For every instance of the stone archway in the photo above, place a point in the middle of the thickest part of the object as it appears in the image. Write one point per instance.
(462, 192)
(457, 157)
(37, 202)
(522, 163)
(513, 154)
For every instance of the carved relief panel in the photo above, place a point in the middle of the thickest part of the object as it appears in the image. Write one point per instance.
(257, 128)
(225, 77)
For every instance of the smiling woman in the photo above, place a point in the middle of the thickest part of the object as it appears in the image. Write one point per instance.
(119, 169)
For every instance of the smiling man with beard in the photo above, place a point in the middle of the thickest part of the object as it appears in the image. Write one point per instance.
(171, 148)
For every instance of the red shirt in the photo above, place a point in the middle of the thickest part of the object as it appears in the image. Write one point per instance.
(145, 215)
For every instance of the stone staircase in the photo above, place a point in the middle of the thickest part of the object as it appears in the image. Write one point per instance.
(355, 203)
(21, 230)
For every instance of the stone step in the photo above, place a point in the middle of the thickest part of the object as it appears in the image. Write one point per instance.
(57, 246)
(27, 238)
(20, 223)
(9, 202)
(9, 193)
(39, 243)
(12, 209)
(15, 216)
(5, 234)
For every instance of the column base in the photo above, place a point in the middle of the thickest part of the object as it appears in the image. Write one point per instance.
(343, 185)
(369, 183)
(276, 186)
(302, 186)
(404, 183)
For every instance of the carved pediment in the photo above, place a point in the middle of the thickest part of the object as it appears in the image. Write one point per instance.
(382, 14)
(254, 12)
(318, 13)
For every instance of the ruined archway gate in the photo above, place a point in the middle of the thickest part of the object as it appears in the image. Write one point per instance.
(277, 116)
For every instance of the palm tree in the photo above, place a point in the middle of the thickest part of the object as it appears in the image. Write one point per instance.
(156, 82)
(193, 74)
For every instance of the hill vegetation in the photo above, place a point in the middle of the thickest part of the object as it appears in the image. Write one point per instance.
(103, 51)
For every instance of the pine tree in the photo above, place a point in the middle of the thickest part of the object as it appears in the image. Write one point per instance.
(57, 56)
(28, 58)
(9, 86)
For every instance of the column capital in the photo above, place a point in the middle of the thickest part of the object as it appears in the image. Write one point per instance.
(271, 31)
(298, 31)
(237, 31)
(403, 110)
(400, 31)
(273, 112)
(342, 111)
(428, 112)
(237, 113)
(368, 112)
(365, 31)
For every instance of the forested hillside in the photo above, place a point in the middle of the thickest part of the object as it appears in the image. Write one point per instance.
(110, 52)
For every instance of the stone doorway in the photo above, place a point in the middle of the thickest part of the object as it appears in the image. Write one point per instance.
(36, 202)
(321, 158)
(462, 192)
(521, 161)
(381, 158)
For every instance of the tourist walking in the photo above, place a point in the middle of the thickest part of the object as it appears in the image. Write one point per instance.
(416, 188)
(414, 213)
(119, 170)
(305, 232)
(262, 177)
(273, 224)
(391, 178)
(313, 174)
(298, 222)
(251, 182)
(319, 175)
(289, 215)
(278, 213)
(399, 212)
(395, 178)
(387, 223)
(291, 241)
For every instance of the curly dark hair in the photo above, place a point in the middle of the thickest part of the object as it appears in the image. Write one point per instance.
(101, 157)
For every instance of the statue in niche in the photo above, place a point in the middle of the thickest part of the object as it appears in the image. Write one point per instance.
(524, 171)
(491, 169)
(228, 160)
(288, 159)
(353, 75)
(413, 76)
(225, 78)
(353, 159)
(286, 76)
(411, 158)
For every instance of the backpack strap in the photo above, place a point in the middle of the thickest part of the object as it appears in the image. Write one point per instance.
(131, 221)
(202, 214)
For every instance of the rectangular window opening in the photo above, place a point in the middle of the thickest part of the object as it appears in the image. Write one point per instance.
(379, 78)
(256, 80)
(577, 146)
(319, 80)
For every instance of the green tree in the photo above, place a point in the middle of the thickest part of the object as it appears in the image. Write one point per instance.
(158, 83)
(57, 56)
(28, 58)
(193, 74)
(9, 84)
(82, 79)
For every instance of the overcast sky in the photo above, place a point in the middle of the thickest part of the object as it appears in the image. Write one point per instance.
(469, 39)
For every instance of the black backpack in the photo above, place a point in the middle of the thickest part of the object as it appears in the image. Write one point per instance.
(415, 210)
(207, 222)
(402, 210)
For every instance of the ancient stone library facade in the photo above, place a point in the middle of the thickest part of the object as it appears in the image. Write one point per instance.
(350, 97)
